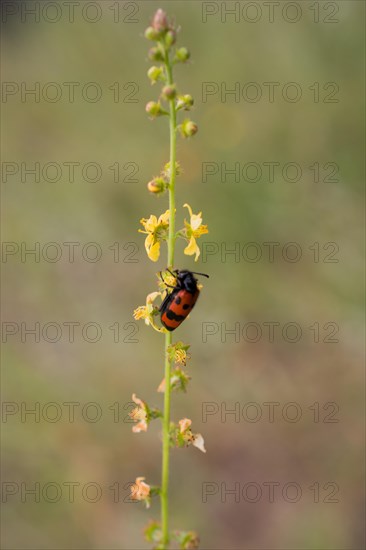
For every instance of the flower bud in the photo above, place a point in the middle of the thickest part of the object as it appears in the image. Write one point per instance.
(169, 92)
(155, 74)
(170, 38)
(154, 109)
(160, 21)
(188, 128)
(155, 54)
(184, 102)
(182, 55)
(152, 34)
(156, 186)
(166, 172)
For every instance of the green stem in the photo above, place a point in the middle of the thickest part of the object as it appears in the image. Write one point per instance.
(168, 336)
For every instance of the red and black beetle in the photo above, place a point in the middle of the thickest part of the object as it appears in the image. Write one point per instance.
(179, 303)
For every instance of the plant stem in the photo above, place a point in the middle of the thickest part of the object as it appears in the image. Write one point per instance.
(168, 336)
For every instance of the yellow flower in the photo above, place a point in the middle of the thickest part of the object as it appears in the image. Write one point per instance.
(148, 311)
(181, 356)
(156, 231)
(141, 491)
(139, 415)
(178, 353)
(194, 229)
(145, 312)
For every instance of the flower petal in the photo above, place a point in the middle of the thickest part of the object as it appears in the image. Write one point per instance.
(138, 401)
(189, 209)
(199, 442)
(164, 218)
(140, 427)
(184, 424)
(196, 220)
(149, 241)
(151, 223)
(140, 490)
(154, 252)
(150, 298)
(192, 248)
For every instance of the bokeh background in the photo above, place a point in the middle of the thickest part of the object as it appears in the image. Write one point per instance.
(227, 373)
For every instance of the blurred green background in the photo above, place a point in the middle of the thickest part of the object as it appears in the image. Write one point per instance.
(307, 452)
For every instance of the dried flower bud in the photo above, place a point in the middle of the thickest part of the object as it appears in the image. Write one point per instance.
(160, 21)
(169, 92)
(188, 128)
(155, 74)
(155, 54)
(152, 34)
(182, 55)
(170, 37)
(156, 186)
(185, 102)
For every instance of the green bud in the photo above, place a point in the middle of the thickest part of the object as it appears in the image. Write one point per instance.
(170, 38)
(154, 109)
(182, 55)
(166, 173)
(152, 34)
(155, 54)
(188, 128)
(169, 92)
(184, 102)
(155, 74)
(157, 186)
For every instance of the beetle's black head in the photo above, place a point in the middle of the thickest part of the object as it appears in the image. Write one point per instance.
(187, 280)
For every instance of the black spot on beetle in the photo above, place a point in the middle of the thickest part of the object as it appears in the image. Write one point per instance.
(186, 306)
(178, 300)
(173, 316)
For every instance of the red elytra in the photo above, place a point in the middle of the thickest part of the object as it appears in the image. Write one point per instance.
(179, 303)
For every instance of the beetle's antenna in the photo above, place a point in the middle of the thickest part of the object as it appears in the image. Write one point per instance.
(203, 274)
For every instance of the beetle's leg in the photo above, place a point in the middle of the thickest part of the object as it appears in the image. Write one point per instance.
(162, 278)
